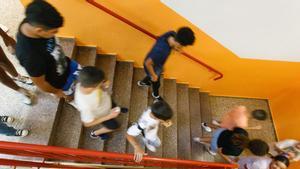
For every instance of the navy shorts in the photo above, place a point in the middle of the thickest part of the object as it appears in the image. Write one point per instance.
(111, 124)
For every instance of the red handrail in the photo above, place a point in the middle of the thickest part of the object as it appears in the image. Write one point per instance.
(108, 11)
(80, 155)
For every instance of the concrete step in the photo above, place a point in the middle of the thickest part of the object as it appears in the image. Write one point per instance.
(121, 95)
(206, 116)
(138, 101)
(86, 142)
(195, 117)
(68, 128)
(86, 55)
(158, 152)
(183, 120)
(107, 63)
(69, 46)
(170, 133)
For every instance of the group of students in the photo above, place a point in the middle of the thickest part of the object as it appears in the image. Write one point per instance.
(40, 53)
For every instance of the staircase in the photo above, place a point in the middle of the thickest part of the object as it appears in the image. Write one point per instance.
(189, 105)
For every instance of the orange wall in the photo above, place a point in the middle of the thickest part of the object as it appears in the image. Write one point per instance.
(243, 77)
(286, 113)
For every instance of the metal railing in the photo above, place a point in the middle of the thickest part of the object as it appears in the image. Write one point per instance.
(128, 22)
(79, 158)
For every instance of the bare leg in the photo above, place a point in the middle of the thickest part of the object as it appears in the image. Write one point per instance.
(102, 131)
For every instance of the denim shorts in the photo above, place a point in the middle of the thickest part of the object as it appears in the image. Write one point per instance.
(214, 140)
(69, 86)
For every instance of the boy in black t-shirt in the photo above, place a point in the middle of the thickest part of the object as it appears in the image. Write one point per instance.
(39, 51)
(157, 57)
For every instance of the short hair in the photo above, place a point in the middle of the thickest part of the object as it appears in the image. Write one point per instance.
(41, 13)
(161, 110)
(259, 114)
(185, 36)
(258, 147)
(90, 76)
(240, 138)
(282, 159)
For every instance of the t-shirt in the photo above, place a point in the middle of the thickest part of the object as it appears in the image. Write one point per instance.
(289, 146)
(161, 50)
(41, 56)
(92, 106)
(148, 124)
(237, 117)
(254, 162)
(224, 142)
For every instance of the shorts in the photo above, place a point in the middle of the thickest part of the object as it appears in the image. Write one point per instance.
(157, 70)
(111, 124)
(215, 138)
(69, 86)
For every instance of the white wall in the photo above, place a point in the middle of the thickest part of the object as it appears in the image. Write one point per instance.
(258, 29)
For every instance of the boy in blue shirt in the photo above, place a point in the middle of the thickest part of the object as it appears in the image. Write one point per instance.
(156, 58)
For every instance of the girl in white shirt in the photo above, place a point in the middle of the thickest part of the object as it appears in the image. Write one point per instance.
(255, 162)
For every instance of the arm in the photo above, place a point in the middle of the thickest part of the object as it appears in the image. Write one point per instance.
(149, 66)
(254, 127)
(112, 115)
(225, 156)
(45, 86)
(138, 150)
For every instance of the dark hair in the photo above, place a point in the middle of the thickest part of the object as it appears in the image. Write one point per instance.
(258, 147)
(90, 76)
(41, 13)
(259, 114)
(185, 36)
(282, 159)
(161, 110)
(240, 137)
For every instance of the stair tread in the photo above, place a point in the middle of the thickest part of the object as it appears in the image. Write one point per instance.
(107, 63)
(196, 131)
(69, 127)
(206, 116)
(86, 56)
(69, 46)
(138, 101)
(87, 142)
(121, 95)
(183, 120)
(170, 133)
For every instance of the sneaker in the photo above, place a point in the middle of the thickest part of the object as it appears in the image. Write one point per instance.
(206, 128)
(101, 136)
(6, 119)
(143, 84)
(124, 110)
(208, 149)
(27, 99)
(156, 97)
(197, 139)
(21, 133)
(23, 79)
(215, 122)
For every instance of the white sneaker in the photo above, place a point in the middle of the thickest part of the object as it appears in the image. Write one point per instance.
(215, 122)
(22, 133)
(6, 119)
(206, 128)
(27, 99)
(210, 151)
(197, 139)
